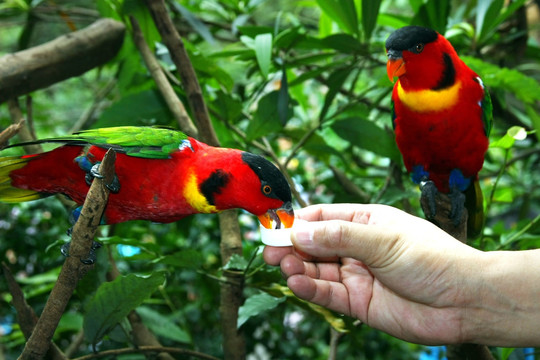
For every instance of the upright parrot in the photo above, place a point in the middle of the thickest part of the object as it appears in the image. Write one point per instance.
(442, 117)
(162, 176)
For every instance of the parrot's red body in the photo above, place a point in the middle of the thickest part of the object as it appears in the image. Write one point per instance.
(442, 113)
(164, 185)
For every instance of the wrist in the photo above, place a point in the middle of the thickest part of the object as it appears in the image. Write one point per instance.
(503, 307)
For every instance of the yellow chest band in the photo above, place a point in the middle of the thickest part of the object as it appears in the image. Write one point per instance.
(429, 100)
(195, 198)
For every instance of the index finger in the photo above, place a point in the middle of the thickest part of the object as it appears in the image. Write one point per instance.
(348, 212)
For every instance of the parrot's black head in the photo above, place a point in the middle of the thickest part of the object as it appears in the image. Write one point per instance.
(275, 193)
(408, 37)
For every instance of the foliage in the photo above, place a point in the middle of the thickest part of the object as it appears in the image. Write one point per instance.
(303, 82)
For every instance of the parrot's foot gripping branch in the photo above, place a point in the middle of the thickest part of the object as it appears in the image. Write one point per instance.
(92, 256)
(429, 192)
(457, 201)
(114, 186)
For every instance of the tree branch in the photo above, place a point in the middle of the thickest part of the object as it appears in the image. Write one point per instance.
(231, 240)
(64, 57)
(175, 105)
(146, 349)
(185, 69)
(26, 317)
(73, 268)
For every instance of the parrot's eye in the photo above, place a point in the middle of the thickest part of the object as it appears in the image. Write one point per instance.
(267, 189)
(418, 48)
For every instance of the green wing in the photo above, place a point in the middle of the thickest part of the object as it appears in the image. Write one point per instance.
(487, 112)
(144, 141)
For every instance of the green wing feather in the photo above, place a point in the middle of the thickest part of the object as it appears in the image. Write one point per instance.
(487, 112)
(138, 141)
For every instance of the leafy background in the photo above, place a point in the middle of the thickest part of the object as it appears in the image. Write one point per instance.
(302, 82)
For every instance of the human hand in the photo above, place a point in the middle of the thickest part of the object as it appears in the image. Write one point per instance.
(393, 271)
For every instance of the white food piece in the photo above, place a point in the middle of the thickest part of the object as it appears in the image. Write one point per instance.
(279, 237)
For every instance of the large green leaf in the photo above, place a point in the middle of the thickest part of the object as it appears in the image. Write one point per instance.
(366, 135)
(370, 12)
(486, 15)
(490, 14)
(135, 109)
(256, 305)
(344, 43)
(433, 14)
(162, 325)
(335, 83)
(188, 258)
(115, 300)
(522, 86)
(342, 12)
(263, 52)
(267, 118)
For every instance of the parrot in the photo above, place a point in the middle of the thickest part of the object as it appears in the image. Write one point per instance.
(162, 175)
(442, 117)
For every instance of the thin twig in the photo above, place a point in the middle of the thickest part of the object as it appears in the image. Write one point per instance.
(10, 132)
(146, 349)
(24, 132)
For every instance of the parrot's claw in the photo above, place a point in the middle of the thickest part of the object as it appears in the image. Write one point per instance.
(92, 256)
(114, 186)
(429, 192)
(457, 202)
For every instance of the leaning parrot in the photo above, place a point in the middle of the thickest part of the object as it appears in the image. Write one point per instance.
(162, 176)
(442, 117)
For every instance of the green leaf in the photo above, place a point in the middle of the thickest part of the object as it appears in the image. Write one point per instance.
(134, 109)
(116, 299)
(263, 52)
(70, 321)
(189, 258)
(524, 87)
(508, 140)
(490, 14)
(506, 352)
(236, 262)
(335, 82)
(367, 135)
(342, 12)
(257, 304)
(535, 119)
(284, 100)
(344, 43)
(266, 119)
(486, 14)
(162, 325)
(433, 14)
(253, 31)
(370, 11)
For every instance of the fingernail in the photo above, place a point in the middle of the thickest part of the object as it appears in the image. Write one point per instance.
(303, 234)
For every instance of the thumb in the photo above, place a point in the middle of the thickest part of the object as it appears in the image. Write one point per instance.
(373, 245)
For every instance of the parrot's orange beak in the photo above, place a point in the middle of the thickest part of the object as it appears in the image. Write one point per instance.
(274, 218)
(395, 67)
